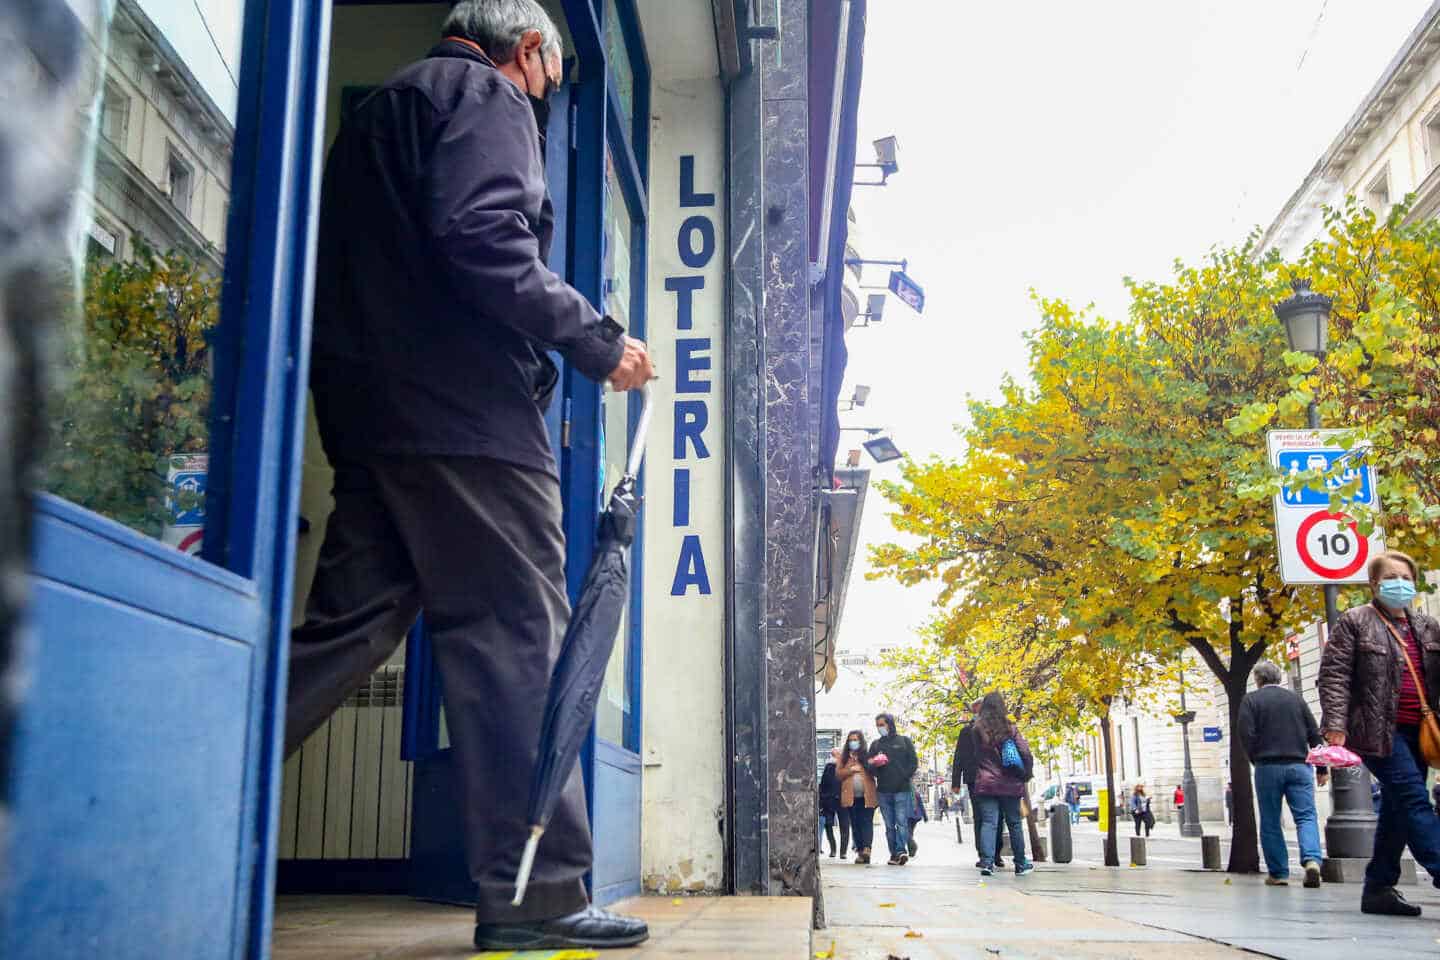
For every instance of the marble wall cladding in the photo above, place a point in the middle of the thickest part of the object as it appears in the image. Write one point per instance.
(745, 490)
(789, 414)
(782, 63)
(792, 786)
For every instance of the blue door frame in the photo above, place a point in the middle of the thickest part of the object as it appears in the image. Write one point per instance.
(149, 749)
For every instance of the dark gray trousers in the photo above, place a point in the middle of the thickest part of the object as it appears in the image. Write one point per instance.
(478, 544)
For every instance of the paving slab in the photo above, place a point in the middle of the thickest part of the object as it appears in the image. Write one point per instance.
(398, 928)
(1168, 909)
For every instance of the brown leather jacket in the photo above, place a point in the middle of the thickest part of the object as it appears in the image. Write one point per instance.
(1360, 677)
(847, 775)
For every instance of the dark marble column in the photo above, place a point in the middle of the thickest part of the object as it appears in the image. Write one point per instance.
(788, 460)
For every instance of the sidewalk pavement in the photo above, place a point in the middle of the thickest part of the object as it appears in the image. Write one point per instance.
(1084, 909)
(398, 928)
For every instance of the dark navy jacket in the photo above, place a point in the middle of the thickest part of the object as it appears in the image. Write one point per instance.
(434, 308)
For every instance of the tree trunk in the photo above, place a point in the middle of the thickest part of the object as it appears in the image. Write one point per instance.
(1244, 841)
(1112, 853)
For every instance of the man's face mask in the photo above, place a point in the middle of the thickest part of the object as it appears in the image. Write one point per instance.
(536, 76)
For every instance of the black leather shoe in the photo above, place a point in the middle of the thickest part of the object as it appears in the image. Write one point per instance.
(591, 927)
(1388, 902)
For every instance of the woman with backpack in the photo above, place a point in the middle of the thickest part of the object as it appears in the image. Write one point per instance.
(1004, 767)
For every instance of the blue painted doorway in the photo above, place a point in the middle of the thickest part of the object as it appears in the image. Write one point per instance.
(148, 744)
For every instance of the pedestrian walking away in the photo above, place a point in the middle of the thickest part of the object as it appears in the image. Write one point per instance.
(434, 312)
(1372, 704)
(1004, 765)
(1229, 804)
(1277, 730)
(892, 758)
(830, 799)
(1072, 800)
(1179, 799)
(858, 794)
(963, 770)
(1140, 810)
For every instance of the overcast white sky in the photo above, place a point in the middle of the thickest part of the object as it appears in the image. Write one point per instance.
(1063, 146)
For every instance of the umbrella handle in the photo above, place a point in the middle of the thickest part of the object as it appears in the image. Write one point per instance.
(637, 444)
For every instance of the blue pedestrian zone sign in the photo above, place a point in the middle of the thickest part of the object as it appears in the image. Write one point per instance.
(1294, 462)
(1212, 734)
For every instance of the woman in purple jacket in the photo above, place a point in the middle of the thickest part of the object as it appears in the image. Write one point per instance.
(1004, 767)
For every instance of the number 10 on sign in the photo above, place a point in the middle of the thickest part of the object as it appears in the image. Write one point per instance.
(1315, 545)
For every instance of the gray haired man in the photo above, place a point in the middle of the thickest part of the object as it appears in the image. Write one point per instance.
(434, 317)
(1277, 730)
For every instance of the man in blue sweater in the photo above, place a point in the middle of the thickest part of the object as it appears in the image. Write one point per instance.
(1277, 730)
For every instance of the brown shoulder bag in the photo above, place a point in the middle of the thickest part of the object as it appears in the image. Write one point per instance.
(1429, 728)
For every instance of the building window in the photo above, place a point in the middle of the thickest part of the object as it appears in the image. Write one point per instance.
(1432, 139)
(1377, 194)
(179, 181)
(115, 115)
(1135, 727)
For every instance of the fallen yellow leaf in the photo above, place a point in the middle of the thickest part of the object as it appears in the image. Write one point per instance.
(677, 902)
(887, 905)
(913, 935)
(826, 954)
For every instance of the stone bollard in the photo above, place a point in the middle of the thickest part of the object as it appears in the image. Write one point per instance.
(1137, 852)
(1004, 850)
(1210, 852)
(1042, 850)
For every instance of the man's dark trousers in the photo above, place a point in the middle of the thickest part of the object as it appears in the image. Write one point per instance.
(478, 544)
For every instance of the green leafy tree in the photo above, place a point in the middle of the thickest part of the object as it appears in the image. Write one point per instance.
(138, 386)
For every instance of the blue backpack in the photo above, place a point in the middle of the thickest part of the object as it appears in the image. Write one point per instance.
(1010, 756)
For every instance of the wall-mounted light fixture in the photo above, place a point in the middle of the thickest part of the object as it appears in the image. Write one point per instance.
(881, 448)
(886, 161)
(874, 309)
(901, 284)
(858, 398)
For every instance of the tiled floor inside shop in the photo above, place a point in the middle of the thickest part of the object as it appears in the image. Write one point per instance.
(398, 928)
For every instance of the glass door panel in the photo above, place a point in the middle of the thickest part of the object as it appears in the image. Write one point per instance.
(616, 699)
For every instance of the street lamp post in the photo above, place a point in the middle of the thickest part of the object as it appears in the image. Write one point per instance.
(1190, 813)
(1350, 829)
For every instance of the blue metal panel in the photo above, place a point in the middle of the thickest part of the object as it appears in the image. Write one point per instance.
(149, 754)
(132, 755)
(615, 819)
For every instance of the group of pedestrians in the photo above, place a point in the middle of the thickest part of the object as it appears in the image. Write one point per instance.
(862, 777)
(993, 762)
(1379, 687)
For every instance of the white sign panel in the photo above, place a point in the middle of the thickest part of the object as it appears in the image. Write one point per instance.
(1315, 545)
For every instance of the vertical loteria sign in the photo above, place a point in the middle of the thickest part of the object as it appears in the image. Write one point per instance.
(685, 541)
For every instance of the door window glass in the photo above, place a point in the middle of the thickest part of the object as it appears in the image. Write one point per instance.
(129, 424)
(615, 700)
(622, 73)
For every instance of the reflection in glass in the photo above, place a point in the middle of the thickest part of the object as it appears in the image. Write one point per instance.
(621, 72)
(129, 428)
(615, 701)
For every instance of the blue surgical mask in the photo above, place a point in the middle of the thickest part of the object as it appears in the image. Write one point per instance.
(854, 744)
(882, 730)
(1396, 594)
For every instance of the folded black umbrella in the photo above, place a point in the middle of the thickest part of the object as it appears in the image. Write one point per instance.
(585, 653)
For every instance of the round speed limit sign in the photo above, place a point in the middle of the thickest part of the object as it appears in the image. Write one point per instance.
(1330, 545)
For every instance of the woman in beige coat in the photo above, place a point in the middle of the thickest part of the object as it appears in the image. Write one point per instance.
(858, 796)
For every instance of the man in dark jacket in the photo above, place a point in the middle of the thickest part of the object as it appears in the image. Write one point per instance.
(893, 761)
(434, 314)
(1277, 730)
